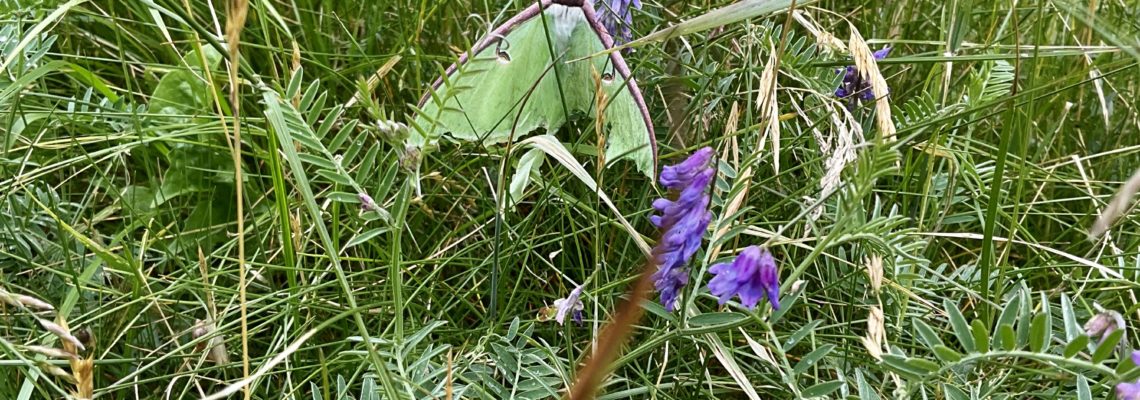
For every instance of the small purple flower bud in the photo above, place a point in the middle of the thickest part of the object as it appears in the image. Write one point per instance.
(752, 276)
(366, 202)
(1136, 357)
(1103, 324)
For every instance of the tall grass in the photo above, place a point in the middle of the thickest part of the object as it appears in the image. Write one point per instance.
(943, 252)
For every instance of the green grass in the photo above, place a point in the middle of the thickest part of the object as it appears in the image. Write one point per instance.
(1015, 127)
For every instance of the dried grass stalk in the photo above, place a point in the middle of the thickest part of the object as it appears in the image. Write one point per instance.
(865, 63)
(1121, 202)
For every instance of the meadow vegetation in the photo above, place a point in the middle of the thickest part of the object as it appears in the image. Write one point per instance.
(188, 222)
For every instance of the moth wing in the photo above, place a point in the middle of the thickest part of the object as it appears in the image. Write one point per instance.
(629, 129)
(507, 86)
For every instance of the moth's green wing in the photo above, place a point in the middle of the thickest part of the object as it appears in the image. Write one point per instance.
(482, 98)
(628, 135)
(511, 85)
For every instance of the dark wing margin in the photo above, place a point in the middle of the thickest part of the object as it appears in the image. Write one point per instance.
(500, 31)
(623, 69)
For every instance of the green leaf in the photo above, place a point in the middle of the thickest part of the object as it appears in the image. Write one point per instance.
(960, 326)
(344, 197)
(922, 364)
(529, 164)
(185, 91)
(954, 393)
(366, 236)
(981, 336)
(729, 14)
(1069, 317)
(811, 358)
(899, 364)
(334, 177)
(489, 111)
(1038, 336)
(341, 388)
(716, 318)
(1083, 392)
(1107, 346)
(320, 162)
(294, 86)
(1006, 338)
(1023, 320)
(368, 390)
(1009, 312)
(926, 333)
(946, 354)
(410, 342)
(866, 391)
(513, 329)
(1076, 346)
(822, 389)
(1048, 313)
(799, 334)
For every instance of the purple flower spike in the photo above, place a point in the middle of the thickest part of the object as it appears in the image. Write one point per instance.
(752, 276)
(684, 221)
(617, 18)
(854, 87)
(1128, 391)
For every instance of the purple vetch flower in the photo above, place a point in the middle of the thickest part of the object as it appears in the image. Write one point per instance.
(684, 222)
(1128, 391)
(752, 276)
(1136, 357)
(677, 177)
(570, 305)
(1103, 324)
(617, 18)
(854, 87)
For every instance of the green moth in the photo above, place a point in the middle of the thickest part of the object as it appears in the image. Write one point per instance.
(535, 71)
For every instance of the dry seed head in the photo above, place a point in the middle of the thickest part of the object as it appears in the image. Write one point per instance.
(876, 335)
(26, 301)
(768, 110)
(824, 39)
(843, 152)
(84, 378)
(32, 302)
(51, 352)
(63, 333)
(865, 63)
(875, 272)
(55, 370)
